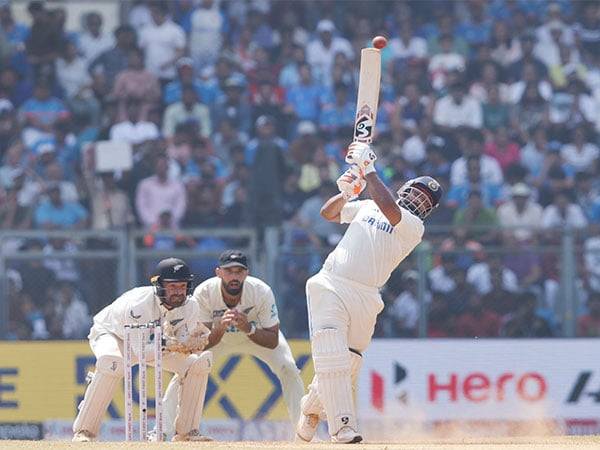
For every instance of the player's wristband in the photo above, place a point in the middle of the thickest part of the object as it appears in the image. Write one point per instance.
(252, 329)
(370, 169)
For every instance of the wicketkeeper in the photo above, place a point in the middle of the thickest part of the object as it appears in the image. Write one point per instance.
(167, 303)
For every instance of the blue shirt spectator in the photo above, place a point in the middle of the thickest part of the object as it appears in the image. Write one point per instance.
(42, 110)
(16, 33)
(208, 91)
(491, 195)
(305, 96)
(338, 114)
(53, 213)
(475, 32)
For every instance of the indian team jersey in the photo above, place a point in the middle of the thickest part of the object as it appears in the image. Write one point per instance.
(139, 306)
(372, 248)
(257, 302)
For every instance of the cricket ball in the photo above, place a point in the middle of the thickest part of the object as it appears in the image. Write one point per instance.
(379, 42)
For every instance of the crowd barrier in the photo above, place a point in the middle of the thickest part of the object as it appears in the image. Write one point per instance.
(406, 387)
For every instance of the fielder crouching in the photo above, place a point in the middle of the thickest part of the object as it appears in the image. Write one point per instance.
(166, 303)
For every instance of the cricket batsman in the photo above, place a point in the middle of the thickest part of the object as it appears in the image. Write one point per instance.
(343, 298)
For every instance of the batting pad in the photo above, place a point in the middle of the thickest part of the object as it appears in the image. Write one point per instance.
(311, 403)
(170, 405)
(191, 394)
(99, 393)
(355, 365)
(332, 367)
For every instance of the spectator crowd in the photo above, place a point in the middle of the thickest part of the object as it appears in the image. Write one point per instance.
(237, 113)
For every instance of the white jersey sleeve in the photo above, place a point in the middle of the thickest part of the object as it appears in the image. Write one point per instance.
(267, 315)
(350, 210)
(135, 306)
(202, 297)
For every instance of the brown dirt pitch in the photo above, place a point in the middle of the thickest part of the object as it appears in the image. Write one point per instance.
(524, 443)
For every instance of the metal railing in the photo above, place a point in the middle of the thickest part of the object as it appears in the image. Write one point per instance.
(111, 262)
(565, 301)
(107, 263)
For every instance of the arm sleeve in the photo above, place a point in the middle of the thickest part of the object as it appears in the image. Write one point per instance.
(350, 210)
(268, 315)
(181, 204)
(142, 204)
(80, 212)
(201, 298)
(143, 39)
(439, 115)
(179, 39)
(40, 215)
(205, 122)
(578, 216)
(477, 116)
(168, 123)
(547, 217)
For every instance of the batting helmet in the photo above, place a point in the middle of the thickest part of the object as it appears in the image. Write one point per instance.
(420, 196)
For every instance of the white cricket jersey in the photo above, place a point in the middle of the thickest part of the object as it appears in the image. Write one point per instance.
(257, 302)
(371, 247)
(139, 306)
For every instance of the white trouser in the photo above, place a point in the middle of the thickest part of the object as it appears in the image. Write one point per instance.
(346, 306)
(109, 348)
(280, 360)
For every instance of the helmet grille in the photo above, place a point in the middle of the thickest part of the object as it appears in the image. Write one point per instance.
(415, 200)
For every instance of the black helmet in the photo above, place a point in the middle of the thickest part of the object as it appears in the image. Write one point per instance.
(420, 196)
(171, 269)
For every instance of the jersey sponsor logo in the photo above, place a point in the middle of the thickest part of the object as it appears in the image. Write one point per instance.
(133, 316)
(247, 310)
(175, 321)
(379, 224)
(273, 311)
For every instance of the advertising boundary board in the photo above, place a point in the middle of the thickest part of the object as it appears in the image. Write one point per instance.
(42, 381)
(476, 386)
(481, 379)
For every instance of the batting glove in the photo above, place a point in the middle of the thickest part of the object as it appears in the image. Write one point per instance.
(363, 156)
(351, 183)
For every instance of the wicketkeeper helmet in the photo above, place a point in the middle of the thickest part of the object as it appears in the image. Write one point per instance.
(171, 269)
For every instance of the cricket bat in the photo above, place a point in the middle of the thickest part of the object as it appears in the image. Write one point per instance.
(368, 91)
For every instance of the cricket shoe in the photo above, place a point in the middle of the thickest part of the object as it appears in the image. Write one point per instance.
(346, 435)
(192, 436)
(83, 436)
(306, 427)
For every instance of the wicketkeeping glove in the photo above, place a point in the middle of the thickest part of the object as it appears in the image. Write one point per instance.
(193, 342)
(351, 183)
(363, 156)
